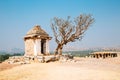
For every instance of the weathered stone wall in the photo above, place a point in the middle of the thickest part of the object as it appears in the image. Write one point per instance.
(40, 59)
(29, 47)
(118, 54)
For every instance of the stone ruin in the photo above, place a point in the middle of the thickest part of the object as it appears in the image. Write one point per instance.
(37, 48)
(36, 42)
(29, 59)
(104, 54)
(39, 59)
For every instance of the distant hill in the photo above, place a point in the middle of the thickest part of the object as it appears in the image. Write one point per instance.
(12, 51)
(85, 52)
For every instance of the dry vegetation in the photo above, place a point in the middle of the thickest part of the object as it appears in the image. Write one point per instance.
(83, 69)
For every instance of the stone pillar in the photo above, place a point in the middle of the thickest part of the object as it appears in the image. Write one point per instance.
(38, 46)
(47, 46)
(35, 48)
(102, 55)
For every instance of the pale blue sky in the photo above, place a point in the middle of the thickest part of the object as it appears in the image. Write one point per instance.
(18, 16)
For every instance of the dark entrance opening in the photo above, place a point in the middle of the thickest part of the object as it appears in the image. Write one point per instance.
(43, 46)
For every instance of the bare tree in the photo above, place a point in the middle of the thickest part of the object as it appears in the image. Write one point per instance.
(66, 31)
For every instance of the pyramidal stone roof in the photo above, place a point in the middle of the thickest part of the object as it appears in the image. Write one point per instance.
(36, 31)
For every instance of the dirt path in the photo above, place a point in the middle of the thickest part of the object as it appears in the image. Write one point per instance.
(5, 66)
(84, 69)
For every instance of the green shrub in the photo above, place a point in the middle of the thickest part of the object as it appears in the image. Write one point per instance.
(4, 57)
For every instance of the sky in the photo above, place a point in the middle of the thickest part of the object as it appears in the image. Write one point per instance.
(17, 17)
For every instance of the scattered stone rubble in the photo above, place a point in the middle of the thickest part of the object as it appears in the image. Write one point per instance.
(66, 58)
(40, 59)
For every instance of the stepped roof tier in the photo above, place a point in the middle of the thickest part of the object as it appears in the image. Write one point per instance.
(36, 31)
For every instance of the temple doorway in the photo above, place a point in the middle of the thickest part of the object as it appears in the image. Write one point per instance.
(43, 46)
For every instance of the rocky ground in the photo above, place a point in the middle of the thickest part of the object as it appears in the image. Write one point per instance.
(82, 69)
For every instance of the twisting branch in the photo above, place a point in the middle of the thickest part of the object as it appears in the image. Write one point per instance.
(67, 31)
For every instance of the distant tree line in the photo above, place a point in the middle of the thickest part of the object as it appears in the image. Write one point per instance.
(79, 53)
(83, 53)
(4, 56)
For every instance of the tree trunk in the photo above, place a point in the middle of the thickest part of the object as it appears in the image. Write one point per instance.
(58, 50)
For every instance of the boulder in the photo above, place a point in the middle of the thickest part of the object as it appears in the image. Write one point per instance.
(49, 58)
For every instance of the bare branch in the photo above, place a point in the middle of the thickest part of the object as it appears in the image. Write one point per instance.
(67, 31)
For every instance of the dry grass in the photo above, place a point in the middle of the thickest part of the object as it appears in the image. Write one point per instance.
(83, 69)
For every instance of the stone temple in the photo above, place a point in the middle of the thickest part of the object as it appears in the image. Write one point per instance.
(36, 42)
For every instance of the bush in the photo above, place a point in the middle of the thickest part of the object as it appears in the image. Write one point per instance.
(4, 57)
